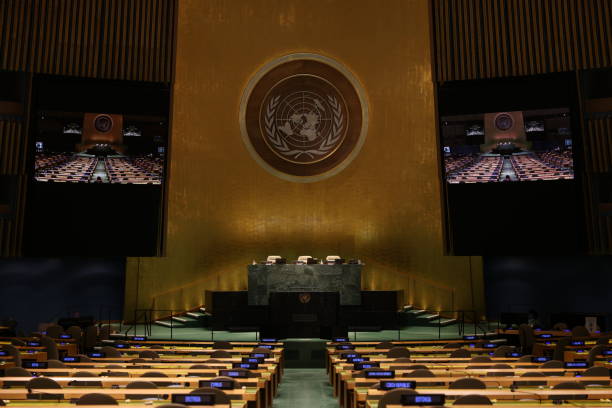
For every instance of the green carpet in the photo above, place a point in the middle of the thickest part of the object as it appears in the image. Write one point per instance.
(305, 387)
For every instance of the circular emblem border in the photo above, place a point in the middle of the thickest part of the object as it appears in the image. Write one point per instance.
(358, 88)
(106, 117)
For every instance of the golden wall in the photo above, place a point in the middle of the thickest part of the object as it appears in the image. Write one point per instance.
(224, 210)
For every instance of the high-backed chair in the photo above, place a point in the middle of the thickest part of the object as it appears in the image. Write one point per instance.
(560, 347)
(501, 366)
(526, 338)
(220, 396)
(594, 352)
(96, 398)
(603, 340)
(43, 383)
(501, 351)
(18, 342)
(156, 374)
(461, 353)
(559, 326)
(148, 354)
(222, 345)
(473, 399)
(56, 364)
(384, 345)
(530, 383)
(85, 374)
(50, 347)
(569, 385)
(394, 397)
(423, 373)
(90, 337)
(467, 384)
(54, 331)
(221, 354)
(13, 352)
(580, 331)
(110, 351)
(141, 385)
(596, 372)
(16, 372)
(397, 352)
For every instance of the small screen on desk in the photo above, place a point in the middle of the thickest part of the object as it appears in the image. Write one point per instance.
(577, 343)
(3, 353)
(139, 338)
(545, 335)
(390, 385)
(514, 354)
(423, 399)
(33, 344)
(269, 340)
(252, 360)
(607, 352)
(357, 359)
(490, 345)
(349, 355)
(345, 347)
(260, 355)
(340, 339)
(120, 345)
(380, 374)
(267, 346)
(194, 399)
(65, 336)
(539, 359)
(469, 337)
(34, 364)
(362, 366)
(220, 384)
(576, 364)
(71, 359)
(248, 366)
(233, 373)
(97, 354)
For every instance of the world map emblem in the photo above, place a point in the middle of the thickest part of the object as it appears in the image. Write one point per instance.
(303, 118)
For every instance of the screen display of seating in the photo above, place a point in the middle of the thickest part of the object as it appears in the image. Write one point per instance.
(530, 145)
(88, 147)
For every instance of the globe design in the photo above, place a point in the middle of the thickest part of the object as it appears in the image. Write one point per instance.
(503, 122)
(103, 123)
(304, 119)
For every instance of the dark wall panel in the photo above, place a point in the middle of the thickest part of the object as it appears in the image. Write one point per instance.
(42, 290)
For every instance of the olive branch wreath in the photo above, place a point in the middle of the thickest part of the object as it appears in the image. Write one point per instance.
(279, 143)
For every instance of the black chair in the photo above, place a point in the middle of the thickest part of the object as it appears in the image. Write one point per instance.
(596, 372)
(50, 347)
(530, 383)
(481, 359)
(570, 385)
(559, 326)
(423, 373)
(104, 333)
(96, 398)
(84, 374)
(18, 343)
(467, 384)
(580, 331)
(222, 345)
(16, 372)
(110, 352)
(603, 340)
(501, 351)
(508, 373)
(13, 352)
(54, 331)
(141, 385)
(394, 397)
(156, 374)
(56, 364)
(220, 396)
(384, 345)
(452, 346)
(461, 353)
(43, 383)
(554, 364)
(221, 354)
(560, 347)
(526, 338)
(90, 337)
(594, 352)
(473, 399)
(402, 360)
(397, 352)
(260, 350)
(148, 354)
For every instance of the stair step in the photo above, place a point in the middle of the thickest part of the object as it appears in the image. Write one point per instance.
(407, 308)
(428, 317)
(446, 322)
(195, 315)
(166, 323)
(203, 310)
(416, 312)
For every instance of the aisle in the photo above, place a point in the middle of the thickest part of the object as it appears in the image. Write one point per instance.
(305, 387)
(100, 171)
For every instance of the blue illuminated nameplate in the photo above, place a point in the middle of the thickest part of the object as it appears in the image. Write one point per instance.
(121, 345)
(357, 360)
(545, 335)
(194, 399)
(361, 366)
(380, 374)
(220, 384)
(576, 364)
(340, 339)
(345, 347)
(390, 385)
(248, 366)
(490, 345)
(233, 373)
(268, 340)
(139, 338)
(577, 343)
(469, 337)
(514, 354)
(267, 346)
(97, 354)
(65, 336)
(34, 364)
(422, 399)
(3, 353)
(260, 355)
(33, 344)
(607, 352)
(252, 360)
(349, 355)
(540, 359)
(71, 359)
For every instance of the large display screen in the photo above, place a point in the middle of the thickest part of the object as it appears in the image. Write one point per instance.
(530, 145)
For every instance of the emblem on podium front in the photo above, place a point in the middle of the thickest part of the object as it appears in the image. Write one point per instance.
(303, 117)
(304, 297)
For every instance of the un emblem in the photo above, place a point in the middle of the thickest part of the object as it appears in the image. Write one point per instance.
(303, 117)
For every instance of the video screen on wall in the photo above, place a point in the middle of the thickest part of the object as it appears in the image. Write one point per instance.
(99, 147)
(512, 146)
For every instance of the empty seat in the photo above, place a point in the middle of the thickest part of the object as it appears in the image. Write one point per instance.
(141, 385)
(54, 331)
(43, 383)
(111, 352)
(50, 347)
(394, 397)
(156, 374)
(530, 383)
(423, 373)
(397, 352)
(13, 352)
(569, 385)
(467, 384)
(594, 352)
(559, 326)
(220, 396)
(473, 399)
(85, 374)
(148, 354)
(384, 345)
(221, 354)
(16, 372)
(508, 373)
(96, 398)
(596, 372)
(461, 353)
(222, 345)
(501, 351)
(580, 331)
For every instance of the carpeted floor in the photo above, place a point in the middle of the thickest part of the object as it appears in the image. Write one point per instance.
(305, 387)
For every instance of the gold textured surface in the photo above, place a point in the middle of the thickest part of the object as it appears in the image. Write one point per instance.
(224, 210)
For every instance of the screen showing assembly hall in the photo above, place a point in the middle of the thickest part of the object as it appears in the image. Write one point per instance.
(98, 147)
(512, 146)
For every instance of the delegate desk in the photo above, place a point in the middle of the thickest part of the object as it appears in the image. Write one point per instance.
(131, 404)
(344, 279)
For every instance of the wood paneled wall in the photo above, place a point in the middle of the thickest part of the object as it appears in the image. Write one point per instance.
(116, 39)
(496, 38)
(105, 39)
